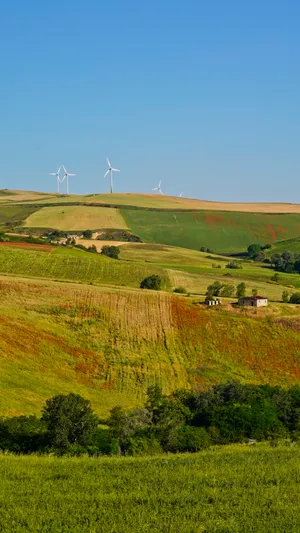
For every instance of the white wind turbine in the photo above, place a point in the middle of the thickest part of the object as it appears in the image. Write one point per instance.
(158, 189)
(110, 170)
(180, 196)
(66, 177)
(58, 178)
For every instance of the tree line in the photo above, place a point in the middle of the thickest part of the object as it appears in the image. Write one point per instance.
(185, 421)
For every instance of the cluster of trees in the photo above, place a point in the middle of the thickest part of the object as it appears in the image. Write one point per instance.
(153, 283)
(208, 250)
(111, 251)
(186, 421)
(286, 262)
(256, 251)
(218, 289)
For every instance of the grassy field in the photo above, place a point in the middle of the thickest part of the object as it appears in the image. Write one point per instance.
(169, 255)
(293, 245)
(234, 489)
(74, 265)
(151, 201)
(76, 218)
(222, 232)
(14, 215)
(60, 338)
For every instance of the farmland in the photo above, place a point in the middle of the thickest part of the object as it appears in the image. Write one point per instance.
(73, 265)
(14, 215)
(235, 489)
(223, 232)
(76, 218)
(60, 338)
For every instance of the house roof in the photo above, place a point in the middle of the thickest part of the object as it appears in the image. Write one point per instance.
(254, 298)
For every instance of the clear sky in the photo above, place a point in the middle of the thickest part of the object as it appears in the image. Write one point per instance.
(202, 94)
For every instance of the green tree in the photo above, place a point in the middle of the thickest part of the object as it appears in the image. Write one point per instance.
(295, 298)
(111, 251)
(87, 234)
(227, 291)
(214, 289)
(151, 282)
(275, 277)
(254, 250)
(70, 420)
(241, 290)
(233, 265)
(254, 292)
(285, 297)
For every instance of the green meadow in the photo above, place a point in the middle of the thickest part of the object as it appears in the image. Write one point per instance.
(233, 489)
(223, 232)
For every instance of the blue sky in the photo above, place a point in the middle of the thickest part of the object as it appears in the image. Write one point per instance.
(204, 95)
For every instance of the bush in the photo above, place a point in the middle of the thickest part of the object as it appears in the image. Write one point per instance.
(241, 290)
(151, 282)
(227, 291)
(87, 234)
(233, 264)
(295, 298)
(275, 277)
(111, 251)
(180, 290)
(285, 297)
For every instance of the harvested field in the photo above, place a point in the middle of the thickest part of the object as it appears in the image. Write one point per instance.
(28, 246)
(74, 218)
(99, 244)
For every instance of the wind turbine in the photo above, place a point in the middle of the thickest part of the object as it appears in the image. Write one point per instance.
(59, 179)
(158, 189)
(111, 170)
(66, 177)
(180, 196)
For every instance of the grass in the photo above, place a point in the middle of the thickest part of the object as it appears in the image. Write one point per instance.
(234, 489)
(60, 338)
(74, 265)
(293, 245)
(222, 232)
(14, 215)
(169, 255)
(76, 218)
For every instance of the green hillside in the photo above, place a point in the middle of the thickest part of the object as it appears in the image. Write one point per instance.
(73, 265)
(223, 232)
(109, 345)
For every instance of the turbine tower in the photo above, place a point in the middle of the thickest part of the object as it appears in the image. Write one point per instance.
(158, 189)
(66, 177)
(110, 170)
(58, 178)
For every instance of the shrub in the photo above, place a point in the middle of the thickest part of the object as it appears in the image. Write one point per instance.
(285, 297)
(227, 291)
(87, 234)
(111, 251)
(275, 277)
(214, 289)
(241, 290)
(233, 264)
(295, 298)
(180, 290)
(151, 282)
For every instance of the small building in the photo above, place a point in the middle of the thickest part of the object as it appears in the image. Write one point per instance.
(213, 302)
(253, 301)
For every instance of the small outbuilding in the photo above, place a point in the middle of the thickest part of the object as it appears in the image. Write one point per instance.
(216, 301)
(253, 301)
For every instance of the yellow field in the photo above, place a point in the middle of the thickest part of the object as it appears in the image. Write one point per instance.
(99, 244)
(76, 218)
(155, 201)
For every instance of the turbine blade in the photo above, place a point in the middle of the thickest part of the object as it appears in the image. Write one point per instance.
(156, 189)
(116, 170)
(106, 173)
(71, 174)
(108, 162)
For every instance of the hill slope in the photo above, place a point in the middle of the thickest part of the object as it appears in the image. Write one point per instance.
(110, 344)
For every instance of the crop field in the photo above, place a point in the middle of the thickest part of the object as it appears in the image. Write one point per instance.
(10, 196)
(220, 231)
(73, 265)
(152, 201)
(60, 338)
(168, 255)
(234, 489)
(76, 218)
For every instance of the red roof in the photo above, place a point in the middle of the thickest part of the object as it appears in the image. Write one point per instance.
(253, 298)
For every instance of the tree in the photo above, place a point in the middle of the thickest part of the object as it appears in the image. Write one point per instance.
(233, 264)
(254, 250)
(151, 282)
(254, 292)
(111, 251)
(87, 234)
(241, 290)
(70, 420)
(295, 298)
(285, 297)
(214, 289)
(227, 291)
(275, 277)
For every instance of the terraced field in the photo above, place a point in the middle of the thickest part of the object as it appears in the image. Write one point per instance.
(76, 218)
(222, 232)
(60, 338)
(74, 265)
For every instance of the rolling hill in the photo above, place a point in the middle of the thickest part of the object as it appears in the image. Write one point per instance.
(58, 338)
